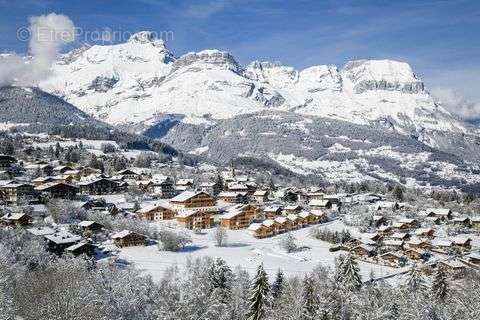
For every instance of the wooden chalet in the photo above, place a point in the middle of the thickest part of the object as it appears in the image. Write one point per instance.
(363, 250)
(292, 209)
(442, 213)
(194, 219)
(90, 226)
(462, 222)
(473, 258)
(379, 220)
(99, 186)
(273, 225)
(42, 180)
(385, 230)
(16, 219)
(272, 212)
(239, 217)
(320, 204)
(284, 224)
(259, 230)
(453, 267)
(15, 192)
(308, 217)
(391, 257)
(320, 215)
(475, 221)
(296, 221)
(127, 238)
(260, 196)
(197, 200)
(461, 242)
(161, 210)
(415, 253)
(81, 248)
(163, 187)
(425, 233)
(59, 241)
(58, 190)
(213, 188)
(232, 197)
(184, 185)
(419, 244)
(129, 174)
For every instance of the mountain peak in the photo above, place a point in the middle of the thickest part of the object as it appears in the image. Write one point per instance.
(382, 74)
(146, 37)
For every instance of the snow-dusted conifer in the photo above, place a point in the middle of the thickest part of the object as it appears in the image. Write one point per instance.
(258, 295)
(440, 284)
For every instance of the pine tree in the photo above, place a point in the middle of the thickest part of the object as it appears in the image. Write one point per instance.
(349, 273)
(278, 285)
(220, 278)
(440, 284)
(258, 295)
(415, 281)
(310, 299)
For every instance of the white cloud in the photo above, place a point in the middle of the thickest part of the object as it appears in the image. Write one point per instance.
(456, 104)
(48, 34)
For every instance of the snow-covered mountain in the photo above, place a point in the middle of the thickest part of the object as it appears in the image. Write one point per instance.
(140, 81)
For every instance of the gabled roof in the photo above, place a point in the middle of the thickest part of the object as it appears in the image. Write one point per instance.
(260, 193)
(156, 205)
(14, 216)
(318, 203)
(186, 195)
(41, 231)
(439, 211)
(86, 223)
(124, 233)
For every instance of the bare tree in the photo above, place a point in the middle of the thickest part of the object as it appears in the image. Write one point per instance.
(220, 236)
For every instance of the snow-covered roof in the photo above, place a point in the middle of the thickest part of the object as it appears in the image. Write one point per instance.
(86, 223)
(41, 231)
(318, 203)
(184, 196)
(260, 193)
(439, 211)
(123, 234)
(63, 237)
(255, 226)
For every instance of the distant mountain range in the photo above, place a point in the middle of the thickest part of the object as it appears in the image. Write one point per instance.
(318, 120)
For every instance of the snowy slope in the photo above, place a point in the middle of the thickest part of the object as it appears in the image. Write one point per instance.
(137, 83)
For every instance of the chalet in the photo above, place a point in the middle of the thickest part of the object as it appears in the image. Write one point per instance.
(284, 223)
(237, 186)
(58, 190)
(60, 169)
(411, 223)
(320, 215)
(157, 211)
(145, 185)
(462, 222)
(295, 221)
(16, 219)
(391, 257)
(372, 238)
(212, 188)
(475, 221)
(273, 225)
(259, 230)
(6, 161)
(444, 214)
(385, 230)
(393, 244)
(415, 253)
(184, 184)
(16, 192)
(404, 236)
(433, 220)
(320, 204)
(81, 248)
(442, 244)
(335, 199)
(194, 219)
(272, 211)
(461, 242)
(98, 186)
(42, 180)
(41, 231)
(90, 226)
(419, 244)
(314, 194)
(239, 217)
(44, 169)
(363, 250)
(129, 174)
(59, 241)
(199, 201)
(128, 238)
(260, 196)
(452, 266)
(232, 197)
(425, 233)
(473, 258)
(308, 217)
(163, 187)
(292, 209)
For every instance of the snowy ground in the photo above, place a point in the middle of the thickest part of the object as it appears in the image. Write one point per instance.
(244, 250)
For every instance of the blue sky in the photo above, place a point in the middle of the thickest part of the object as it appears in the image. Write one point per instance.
(440, 39)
